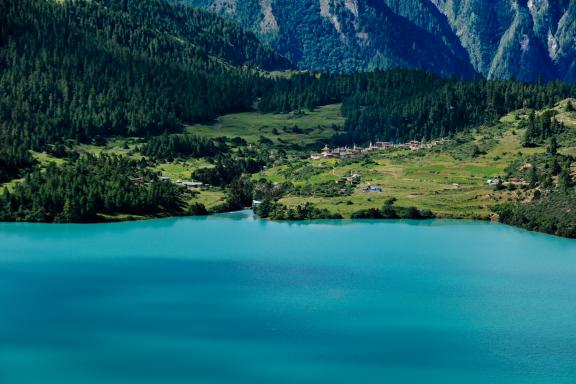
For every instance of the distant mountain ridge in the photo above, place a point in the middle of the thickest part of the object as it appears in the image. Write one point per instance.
(500, 39)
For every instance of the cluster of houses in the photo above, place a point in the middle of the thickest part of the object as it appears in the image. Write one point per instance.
(498, 181)
(355, 179)
(347, 152)
(190, 185)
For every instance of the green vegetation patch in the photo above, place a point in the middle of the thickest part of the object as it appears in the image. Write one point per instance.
(443, 180)
(284, 129)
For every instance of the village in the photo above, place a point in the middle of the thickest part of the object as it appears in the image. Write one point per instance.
(348, 152)
(380, 146)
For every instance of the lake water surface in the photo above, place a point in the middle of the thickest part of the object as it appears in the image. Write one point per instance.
(231, 299)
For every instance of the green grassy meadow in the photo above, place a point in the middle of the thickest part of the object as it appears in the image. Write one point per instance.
(251, 126)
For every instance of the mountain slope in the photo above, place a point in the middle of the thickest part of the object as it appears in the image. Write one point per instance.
(519, 39)
(78, 69)
(425, 15)
(501, 39)
(563, 45)
(346, 35)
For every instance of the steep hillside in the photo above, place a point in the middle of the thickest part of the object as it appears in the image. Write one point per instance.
(348, 35)
(520, 39)
(425, 15)
(78, 69)
(501, 39)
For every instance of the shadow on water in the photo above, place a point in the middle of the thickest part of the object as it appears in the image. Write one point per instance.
(40, 231)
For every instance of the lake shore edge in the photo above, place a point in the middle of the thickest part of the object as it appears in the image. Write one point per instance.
(251, 214)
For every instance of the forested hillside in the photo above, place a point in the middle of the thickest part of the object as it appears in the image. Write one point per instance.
(346, 36)
(112, 109)
(83, 189)
(410, 104)
(78, 69)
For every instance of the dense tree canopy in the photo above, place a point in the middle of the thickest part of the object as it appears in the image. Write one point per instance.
(77, 69)
(14, 159)
(553, 213)
(80, 190)
(409, 104)
(170, 147)
(539, 129)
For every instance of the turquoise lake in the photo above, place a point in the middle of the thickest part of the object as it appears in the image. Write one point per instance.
(232, 299)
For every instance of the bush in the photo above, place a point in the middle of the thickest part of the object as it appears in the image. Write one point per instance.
(307, 211)
(198, 209)
(370, 213)
(391, 212)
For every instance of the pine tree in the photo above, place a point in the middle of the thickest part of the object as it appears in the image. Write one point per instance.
(531, 130)
(66, 215)
(565, 182)
(532, 177)
(552, 149)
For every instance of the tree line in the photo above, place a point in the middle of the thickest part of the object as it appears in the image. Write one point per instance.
(84, 189)
(407, 104)
(170, 147)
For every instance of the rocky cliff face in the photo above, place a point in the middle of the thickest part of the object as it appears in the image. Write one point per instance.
(500, 39)
(516, 38)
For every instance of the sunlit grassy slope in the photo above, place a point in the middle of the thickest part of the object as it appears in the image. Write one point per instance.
(251, 126)
(447, 180)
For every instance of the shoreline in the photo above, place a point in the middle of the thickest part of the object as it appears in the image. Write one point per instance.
(127, 218)
(250, 214)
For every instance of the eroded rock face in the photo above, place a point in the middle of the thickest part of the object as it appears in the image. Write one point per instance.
(522, 39)
(268, 23)
(565, 54)
(515, 38)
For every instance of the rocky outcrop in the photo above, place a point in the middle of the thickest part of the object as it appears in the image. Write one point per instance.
(516, 39)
